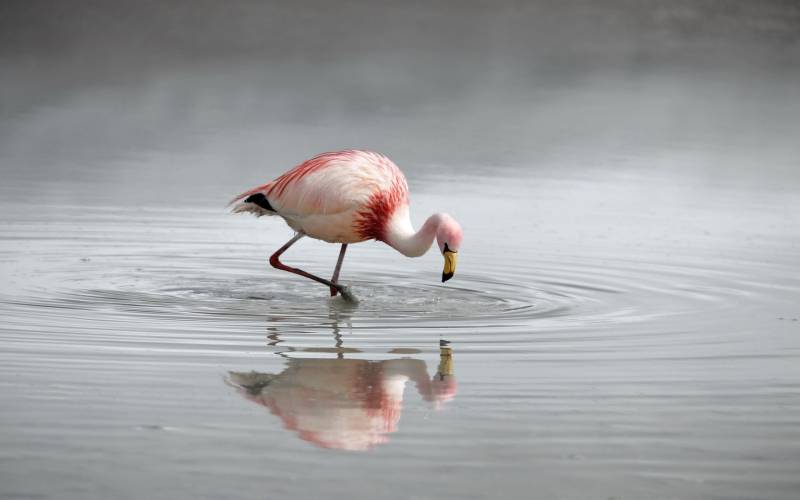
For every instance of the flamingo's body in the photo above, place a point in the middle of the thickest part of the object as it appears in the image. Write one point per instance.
(348, 197)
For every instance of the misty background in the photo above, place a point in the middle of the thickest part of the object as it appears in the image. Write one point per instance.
(137, 97)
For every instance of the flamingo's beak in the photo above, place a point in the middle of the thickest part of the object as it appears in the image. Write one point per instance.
(449, 264)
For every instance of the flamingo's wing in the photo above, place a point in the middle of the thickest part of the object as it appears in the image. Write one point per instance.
(331, 183)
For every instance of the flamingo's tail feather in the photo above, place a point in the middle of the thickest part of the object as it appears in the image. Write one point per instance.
(253, 201)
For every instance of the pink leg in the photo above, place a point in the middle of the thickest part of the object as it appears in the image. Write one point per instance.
(338, 268)
(277, 264)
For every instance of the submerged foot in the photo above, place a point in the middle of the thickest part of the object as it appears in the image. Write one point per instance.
(346, 293)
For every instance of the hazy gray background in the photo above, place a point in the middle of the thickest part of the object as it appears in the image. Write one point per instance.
(234, 92)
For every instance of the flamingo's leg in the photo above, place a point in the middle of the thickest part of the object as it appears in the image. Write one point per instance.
(338, 268)
(277, 264)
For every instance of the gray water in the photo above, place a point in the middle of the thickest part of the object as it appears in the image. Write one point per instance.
(624, 321)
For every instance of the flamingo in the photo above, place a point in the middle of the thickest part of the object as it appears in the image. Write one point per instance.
(348, 197)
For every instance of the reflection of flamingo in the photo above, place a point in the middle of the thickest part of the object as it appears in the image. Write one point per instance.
(347, 404)
(348, 197)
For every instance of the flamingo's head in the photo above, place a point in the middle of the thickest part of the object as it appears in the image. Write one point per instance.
(448, 236)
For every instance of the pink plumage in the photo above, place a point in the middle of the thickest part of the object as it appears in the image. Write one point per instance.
(340, 197)
(347, 197)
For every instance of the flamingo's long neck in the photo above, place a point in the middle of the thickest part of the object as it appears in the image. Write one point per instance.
(401, 236)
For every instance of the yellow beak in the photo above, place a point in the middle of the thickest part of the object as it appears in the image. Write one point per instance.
(449, 265)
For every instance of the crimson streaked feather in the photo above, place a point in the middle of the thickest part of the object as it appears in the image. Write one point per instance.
(373, 218)
(323, 160)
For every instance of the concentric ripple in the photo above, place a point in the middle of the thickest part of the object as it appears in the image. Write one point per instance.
(227, 296)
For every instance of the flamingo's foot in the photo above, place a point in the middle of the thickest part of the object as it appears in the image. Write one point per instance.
(347, 295)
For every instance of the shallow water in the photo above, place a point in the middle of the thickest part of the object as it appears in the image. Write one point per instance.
(156, 345)
(624, 321)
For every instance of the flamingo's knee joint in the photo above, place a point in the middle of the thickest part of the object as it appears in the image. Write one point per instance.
(274, 262)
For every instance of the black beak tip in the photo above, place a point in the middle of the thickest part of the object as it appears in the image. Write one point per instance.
(446, 276)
